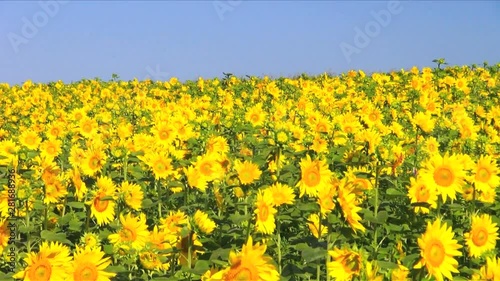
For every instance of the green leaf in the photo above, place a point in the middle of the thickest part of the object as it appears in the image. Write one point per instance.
(116, 268)
(238, 218)
(147, 203)
(56, 237)
(76, 205)
(311, 254)
(201, 267)
(387, 265)
(394, 192)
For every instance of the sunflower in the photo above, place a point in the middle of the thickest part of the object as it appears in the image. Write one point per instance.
(349, 204)
(251, 264)
(161, 240)
(151, 261)
(90, 240)
(93, 162)
(431, 146)
(314, 225)
(160, 163)
(424, 121)
(314, 174)
(195, 178)
(420, 192)
(30, 139)
(164, 133)
(50, 263)
(265, 221)
(325, 197)
(486, 174)
(132, 194)
(87, 127)
(209, 168)
(255, 115)
(134, 232)
(217, 144)
(482, 236)
(4, 234)
(438, 249)
(281, 194)
(103, 204)
(400, 273)
(445, 174)
(50, 148)
(80, 186)
(346, 264)
(490, 271)
(89, 264)
(76, 156)
(248, 172)
(204, 223)
(173, 223)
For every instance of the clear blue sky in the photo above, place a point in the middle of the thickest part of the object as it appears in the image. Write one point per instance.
(87, 39)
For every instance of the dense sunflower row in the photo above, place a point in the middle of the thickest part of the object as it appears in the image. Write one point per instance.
(388, 176)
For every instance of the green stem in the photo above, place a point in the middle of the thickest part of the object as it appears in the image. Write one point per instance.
(125, 167)
(278, 226)
(28, 244)
(375, 212)
(159, 201)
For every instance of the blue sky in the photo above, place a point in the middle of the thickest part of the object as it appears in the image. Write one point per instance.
(55, 40)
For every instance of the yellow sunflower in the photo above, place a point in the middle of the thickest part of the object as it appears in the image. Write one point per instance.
(315, 226)
(420, 192)
(204, 223)
(51, 148)
(445, 174)
(30, 139)
(349, 204)
(490, 271)
(281, 194)
(346, 264)
(134, 231)
(90, 240)
(89, 264)
(486, 174)
(482, 236)
(102, 203)
(195, 178)
(4, 234)
(93, 162)
(265, 221)
(438, 249)
(251, 264)
(209, 168)
(248, 172)
(173, 223)
(314, 174)
(132, 194)
(50, 263)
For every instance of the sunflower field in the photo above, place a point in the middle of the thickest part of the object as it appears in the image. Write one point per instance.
(387, 176)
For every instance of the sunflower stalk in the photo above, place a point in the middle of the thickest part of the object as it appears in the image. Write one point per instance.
(375, 211)
(278, 225)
